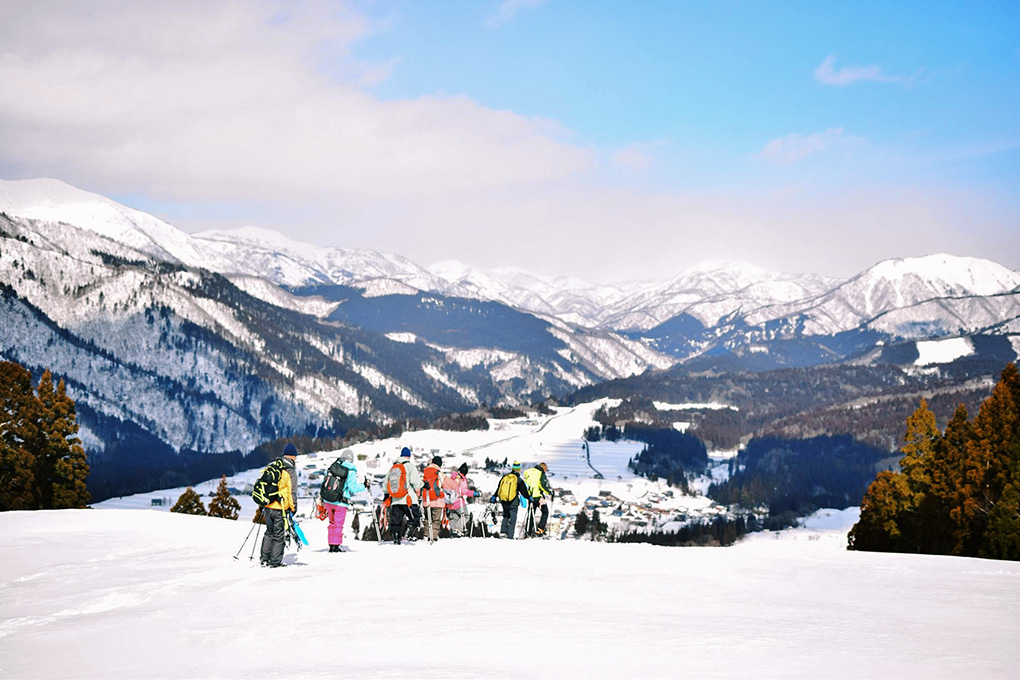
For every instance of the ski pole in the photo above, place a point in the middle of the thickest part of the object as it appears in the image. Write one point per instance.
(245, 539)
(380, 511)
(252, 557)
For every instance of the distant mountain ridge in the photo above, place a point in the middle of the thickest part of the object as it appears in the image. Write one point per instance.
(245, 334)
(181, 336)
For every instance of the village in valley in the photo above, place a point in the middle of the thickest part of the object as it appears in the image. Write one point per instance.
(589, 477)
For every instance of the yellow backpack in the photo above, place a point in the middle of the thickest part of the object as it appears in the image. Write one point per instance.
(507, 490)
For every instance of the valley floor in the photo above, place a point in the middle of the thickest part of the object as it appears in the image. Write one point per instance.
(128, 593)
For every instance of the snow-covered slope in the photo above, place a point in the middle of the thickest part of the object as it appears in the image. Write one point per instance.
(934, 294)
(191, 358)
(94, 585)
(570, 299)
(713, 291)
(790, 604)
(287, 262)
(50, 200)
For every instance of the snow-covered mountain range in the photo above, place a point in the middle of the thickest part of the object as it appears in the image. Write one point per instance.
(218, 340)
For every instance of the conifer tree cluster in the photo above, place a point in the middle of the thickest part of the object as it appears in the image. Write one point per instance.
(957, 491)
(223, 504)
(42, 462)
(189, 503)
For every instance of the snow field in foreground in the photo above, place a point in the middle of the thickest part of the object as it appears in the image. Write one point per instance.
(120, 593)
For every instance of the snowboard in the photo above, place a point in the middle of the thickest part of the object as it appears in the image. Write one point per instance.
(299, 533)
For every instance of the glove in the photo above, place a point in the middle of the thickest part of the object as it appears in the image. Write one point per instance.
(493, 499)
(524, 502)
(425, 485)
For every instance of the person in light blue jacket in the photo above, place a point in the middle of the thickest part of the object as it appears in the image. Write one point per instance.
(336, 494)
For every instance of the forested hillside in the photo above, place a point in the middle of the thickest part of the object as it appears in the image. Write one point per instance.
(957, 490)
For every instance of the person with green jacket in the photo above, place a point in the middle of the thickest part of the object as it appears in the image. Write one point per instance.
(541, 493)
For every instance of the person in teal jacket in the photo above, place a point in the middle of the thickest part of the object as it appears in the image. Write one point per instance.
(337, 510)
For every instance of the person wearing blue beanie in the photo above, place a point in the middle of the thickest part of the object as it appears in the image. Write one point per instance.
(275, 537)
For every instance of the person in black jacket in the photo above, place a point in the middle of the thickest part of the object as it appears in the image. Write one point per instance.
(509, 492)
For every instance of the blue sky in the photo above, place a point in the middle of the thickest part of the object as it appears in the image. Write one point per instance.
(609, 140)
(717, 80)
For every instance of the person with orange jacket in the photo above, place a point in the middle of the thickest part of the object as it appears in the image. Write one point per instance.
(432, 497)
(403, 486)
(273, 541)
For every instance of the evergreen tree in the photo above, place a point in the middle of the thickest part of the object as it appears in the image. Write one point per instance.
(223, 504)
(1002, 539)
(992, 467)
(597, 527)
(18, 430)
(581, 523)
(189, 503)
(61, 465)
(940, 531)
(883, 515)
(957, 493)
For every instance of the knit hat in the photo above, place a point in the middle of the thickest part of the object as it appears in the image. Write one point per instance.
(347, 455)
(463, 469)
(290, 450)
(405, 452)
(517, 465)
(436, 460)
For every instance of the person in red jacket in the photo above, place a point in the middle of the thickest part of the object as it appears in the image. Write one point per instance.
(433, 500)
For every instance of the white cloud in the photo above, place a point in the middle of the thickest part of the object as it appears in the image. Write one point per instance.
(827, 74)
(637, 157)
(796, 147)
(232, 101)
(256, 108)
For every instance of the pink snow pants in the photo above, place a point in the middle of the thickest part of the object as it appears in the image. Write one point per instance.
(337, 514)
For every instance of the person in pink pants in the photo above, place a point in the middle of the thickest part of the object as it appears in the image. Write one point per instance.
(337, 503)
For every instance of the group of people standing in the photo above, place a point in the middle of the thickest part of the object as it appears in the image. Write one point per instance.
(530, 489)
(412, 499)
(410, 494)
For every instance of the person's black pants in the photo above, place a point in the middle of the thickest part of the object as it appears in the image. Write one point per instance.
(272, 541)
(509, 518)
(400, 518)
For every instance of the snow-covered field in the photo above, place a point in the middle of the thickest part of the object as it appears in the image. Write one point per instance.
(118, 592)
(121, 593)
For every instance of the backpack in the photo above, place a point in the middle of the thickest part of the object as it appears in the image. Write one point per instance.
(431, 475)
(533, 480)
(507, 490)
(267, 489)
(335, 483)
(396, 481)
